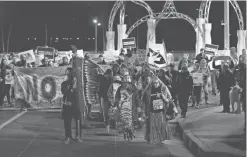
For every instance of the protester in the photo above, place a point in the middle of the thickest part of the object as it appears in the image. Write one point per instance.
(185, 86)
(165, 79)
(70, 108)
(117, 81)
(105, 82)
(116, 69)
(184, 62)
(4, 88)
(120, 60)
(45, 62)
(124, 105)
(234, 55)
(213, 75)
(197, 88)
(243, 55)
(65, 62)
(131, 70)
(201, 56)
(74, 54)
(204, 69)
(136, 103)
(173, 74)
(242, 84)
(226, 81)
(102, 60)
(158, 99)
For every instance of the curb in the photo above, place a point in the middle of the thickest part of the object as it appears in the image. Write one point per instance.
(12, 119)
(195, 146)
(192, 142)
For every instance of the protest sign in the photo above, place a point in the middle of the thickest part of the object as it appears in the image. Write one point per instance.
(211, 49)
(223, 53)
(197, 79)
(40, 87)
(129, 43)
(9, 78)
(29, 56)
(47, 51)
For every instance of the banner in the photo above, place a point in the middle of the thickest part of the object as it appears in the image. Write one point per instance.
(197, 79)
(129, 43)
(40, 87)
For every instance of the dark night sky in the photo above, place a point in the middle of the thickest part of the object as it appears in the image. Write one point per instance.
(74, 19)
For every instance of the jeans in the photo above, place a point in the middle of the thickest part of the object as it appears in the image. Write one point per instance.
(205, 90)
(197, 92)
(68, 114)
(225, 99)
(183, 103)
(213, 81)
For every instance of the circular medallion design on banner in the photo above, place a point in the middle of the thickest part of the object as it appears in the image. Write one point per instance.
(48, 88)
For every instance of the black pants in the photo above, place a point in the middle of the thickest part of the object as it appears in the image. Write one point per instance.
(4, 91)
(174, 96)
(68, 114)
(183, 102)
(197, 92)
(225, 100)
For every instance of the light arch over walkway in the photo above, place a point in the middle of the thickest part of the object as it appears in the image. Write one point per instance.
(120, 3)
(165, 16)
(205, 8)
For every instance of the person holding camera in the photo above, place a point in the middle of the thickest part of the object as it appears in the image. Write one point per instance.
(70, 108)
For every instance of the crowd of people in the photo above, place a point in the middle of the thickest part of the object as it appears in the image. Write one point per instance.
(125, 91)
(134, 93)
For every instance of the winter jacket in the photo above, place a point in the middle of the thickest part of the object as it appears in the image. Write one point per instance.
(185, 83)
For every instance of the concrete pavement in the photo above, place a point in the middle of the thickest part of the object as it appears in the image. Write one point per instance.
(210, 133)
(41, 134)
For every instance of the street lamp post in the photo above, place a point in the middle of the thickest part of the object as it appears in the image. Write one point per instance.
(96, 24)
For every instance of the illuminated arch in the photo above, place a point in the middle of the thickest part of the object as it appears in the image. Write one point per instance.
(119, 3)
(205, 8)
(165, 16)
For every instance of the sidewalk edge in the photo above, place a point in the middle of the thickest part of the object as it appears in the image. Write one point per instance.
(192, 142)
(12, 119)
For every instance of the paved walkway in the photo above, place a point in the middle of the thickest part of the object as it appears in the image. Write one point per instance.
(210, 133)
(6, 115)
(41, 134)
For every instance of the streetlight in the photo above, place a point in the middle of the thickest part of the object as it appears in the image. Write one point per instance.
(96, 24)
